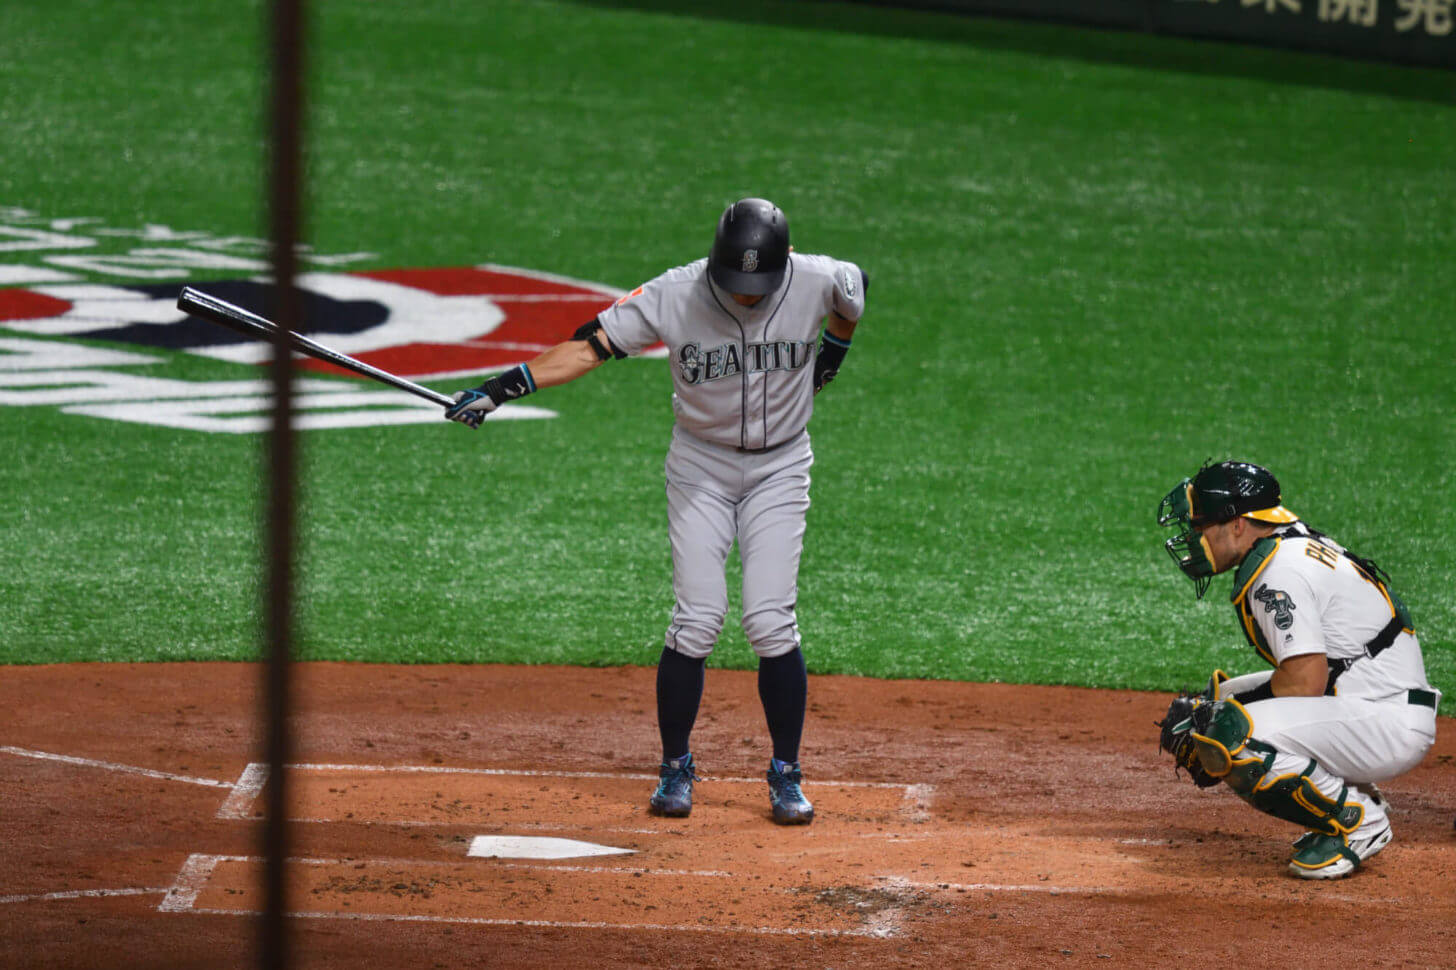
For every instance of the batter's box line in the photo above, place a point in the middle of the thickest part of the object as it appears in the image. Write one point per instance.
(250, 783)
(198, 869)
(82, 894)
(67, 759)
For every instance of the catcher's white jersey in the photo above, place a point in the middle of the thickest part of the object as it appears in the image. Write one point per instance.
(1305, 597)
(1308, 598)
(741, 376)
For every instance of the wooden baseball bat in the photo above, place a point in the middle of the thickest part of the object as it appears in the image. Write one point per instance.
(249, 324)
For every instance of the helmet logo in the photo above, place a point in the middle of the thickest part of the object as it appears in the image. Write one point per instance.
(750, 260)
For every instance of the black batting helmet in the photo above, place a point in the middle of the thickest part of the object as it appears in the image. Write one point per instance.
(751, 249)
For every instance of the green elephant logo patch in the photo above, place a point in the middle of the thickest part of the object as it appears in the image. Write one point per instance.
(1277, 601)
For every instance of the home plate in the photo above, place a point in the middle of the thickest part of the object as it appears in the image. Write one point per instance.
(531, 847)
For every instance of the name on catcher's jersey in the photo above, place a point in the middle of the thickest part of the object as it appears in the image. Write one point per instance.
(741, 376)
(1308, 598)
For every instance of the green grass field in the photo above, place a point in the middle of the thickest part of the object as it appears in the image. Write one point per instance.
(1097, 260)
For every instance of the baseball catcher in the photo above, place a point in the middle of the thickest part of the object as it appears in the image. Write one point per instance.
(1347, 703)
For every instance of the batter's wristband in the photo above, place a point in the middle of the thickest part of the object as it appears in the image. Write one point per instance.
(514, 383)
(826, 363)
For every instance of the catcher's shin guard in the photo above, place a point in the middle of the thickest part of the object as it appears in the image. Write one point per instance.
(1286, 786)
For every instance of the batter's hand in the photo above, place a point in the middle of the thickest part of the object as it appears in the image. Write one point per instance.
(471, 406)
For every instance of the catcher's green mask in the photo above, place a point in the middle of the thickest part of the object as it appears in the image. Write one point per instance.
(1218, 493)
(1188, 548)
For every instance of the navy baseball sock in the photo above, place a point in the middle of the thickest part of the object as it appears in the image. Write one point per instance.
(679, 692)
(783, 686)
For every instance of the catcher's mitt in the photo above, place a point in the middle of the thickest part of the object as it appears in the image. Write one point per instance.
(1187, 713)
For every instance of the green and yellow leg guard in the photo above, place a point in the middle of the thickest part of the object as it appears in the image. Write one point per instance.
(1229, 751)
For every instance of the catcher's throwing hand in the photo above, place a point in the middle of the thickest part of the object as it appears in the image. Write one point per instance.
(1178, 724)
(471, 406)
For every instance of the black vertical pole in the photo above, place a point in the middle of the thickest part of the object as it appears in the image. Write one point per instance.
(284, 193)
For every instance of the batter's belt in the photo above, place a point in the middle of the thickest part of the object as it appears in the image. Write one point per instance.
(763, 451)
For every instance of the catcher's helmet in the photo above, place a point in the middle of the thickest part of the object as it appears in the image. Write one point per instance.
(751, 249)
(1218, 493)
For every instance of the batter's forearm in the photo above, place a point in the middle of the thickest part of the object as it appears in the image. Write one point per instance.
(565, 362)
(840, 327)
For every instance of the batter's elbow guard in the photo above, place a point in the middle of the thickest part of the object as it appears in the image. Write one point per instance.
(591, 332)
(827, 362)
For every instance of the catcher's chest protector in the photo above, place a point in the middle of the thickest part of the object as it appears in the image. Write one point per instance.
(1245, 590)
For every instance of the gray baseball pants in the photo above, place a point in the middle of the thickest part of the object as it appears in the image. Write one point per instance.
(715, 495)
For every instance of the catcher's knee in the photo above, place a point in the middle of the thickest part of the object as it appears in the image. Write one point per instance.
(1228, 750)
(1223, 743)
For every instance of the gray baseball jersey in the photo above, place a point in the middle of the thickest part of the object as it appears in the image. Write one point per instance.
(738, 464)
(742, 376)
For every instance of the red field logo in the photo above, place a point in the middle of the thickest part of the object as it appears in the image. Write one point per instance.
(421, 323)
(416, 322)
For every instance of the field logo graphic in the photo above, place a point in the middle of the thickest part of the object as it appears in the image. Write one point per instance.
(425, 324)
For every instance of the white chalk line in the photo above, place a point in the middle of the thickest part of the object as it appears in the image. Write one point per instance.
(358, 862)
(113, 766)
(917, 802)
(245, 790)
(193, 875)
(886, 922)
(557, 924)
(182, 898)
(706, 873)
(80, 894)
(527, 773)
(250, 784)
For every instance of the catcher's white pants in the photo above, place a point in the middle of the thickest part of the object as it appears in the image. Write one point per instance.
(1353, 740)
(715, 495)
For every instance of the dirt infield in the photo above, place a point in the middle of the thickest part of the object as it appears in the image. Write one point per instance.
(959, 824)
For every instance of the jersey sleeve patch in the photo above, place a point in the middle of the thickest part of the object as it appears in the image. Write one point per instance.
(1278, 602)
(1286, 609)
(628, 322)
(849, 291)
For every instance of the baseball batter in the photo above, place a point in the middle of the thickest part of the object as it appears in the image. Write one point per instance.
(1347, 703)
(754, 332)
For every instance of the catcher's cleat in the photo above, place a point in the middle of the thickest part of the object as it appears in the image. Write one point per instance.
(1318, 856)
(674, 795)
(790, 807)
